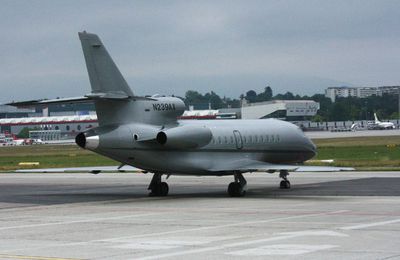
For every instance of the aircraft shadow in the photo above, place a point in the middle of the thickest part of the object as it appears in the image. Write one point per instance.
(50, 195)
(358, 187)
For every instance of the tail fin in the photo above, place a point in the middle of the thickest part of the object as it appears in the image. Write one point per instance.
(103, 73)
(376, 119)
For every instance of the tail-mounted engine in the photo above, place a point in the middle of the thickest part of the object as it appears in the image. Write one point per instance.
(87, 141)
(187, 136)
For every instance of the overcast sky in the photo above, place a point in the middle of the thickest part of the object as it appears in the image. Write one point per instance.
(168, 47)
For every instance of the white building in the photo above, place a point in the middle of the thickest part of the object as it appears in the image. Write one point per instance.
(364, 92)
(390, 90)
(333, 92)
(288, 108)
(45, 135)
(360, 92)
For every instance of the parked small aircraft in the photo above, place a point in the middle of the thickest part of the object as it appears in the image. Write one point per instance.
(383, 125)
(144, 132)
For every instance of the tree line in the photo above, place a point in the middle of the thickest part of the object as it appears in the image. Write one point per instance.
(343, 109)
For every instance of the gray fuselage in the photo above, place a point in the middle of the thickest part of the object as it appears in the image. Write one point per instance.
(269, 140)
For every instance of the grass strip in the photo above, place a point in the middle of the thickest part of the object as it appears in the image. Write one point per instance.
(363, 153)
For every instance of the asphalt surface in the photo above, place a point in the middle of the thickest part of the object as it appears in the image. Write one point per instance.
(109, 216)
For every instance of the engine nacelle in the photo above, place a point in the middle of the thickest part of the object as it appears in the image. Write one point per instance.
(190, 136)
(87, 142)
(105, 137)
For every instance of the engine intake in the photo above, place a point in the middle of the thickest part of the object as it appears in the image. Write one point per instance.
(87, 142)
(80, 140)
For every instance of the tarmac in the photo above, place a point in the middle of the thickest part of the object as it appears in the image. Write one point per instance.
(342, 215)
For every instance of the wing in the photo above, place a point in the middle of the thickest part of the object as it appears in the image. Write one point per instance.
(93, 169)
(248, 165)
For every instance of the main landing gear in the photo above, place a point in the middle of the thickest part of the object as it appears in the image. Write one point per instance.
(285, 184)
(157, 187)
(238, 187)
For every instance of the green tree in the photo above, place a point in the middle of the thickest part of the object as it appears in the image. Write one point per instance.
(266, 95)
(24, 133)
(317, 118)
(287, 96)
(215, 100)
(251, 96)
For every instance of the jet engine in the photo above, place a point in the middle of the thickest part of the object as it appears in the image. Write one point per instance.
(105, 137)
(87, 142)
(187, 136)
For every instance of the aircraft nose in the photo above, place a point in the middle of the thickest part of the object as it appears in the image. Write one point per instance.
(307, 143)
(311, 146)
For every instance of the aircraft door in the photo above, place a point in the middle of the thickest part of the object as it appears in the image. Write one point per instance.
(238, 139)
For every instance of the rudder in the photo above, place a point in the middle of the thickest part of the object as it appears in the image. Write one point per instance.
(104, 75)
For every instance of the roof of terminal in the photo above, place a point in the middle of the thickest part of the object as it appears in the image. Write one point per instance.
(48, 120)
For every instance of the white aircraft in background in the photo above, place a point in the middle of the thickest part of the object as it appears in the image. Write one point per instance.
(383, 125)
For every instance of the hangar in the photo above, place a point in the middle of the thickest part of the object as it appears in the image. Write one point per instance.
(284, 109)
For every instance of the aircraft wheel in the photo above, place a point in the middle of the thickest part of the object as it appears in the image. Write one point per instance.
(284, 185)
(160, 189)
(164, 189)
(235, 190)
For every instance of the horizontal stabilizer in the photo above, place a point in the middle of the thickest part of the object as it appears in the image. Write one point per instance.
(89, 98)
(37, 102)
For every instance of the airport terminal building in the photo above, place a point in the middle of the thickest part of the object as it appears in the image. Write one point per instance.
(67, 123)
(67, 126)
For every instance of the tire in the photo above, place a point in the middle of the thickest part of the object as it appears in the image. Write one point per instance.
(232, 189)
(284, 185)
(235, 190)
(163, 189)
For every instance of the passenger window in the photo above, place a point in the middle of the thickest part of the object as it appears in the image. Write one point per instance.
(272, 139)
(231, 139)
(261, 139)
(255, 139)
(250, 139)
(244, 139)
(226, 139)
(219, 140)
